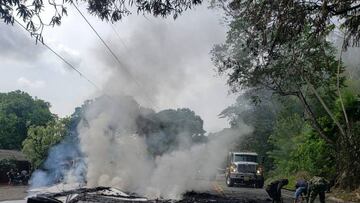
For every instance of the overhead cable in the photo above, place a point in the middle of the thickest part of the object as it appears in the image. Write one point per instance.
(62, 58)
(122, 66)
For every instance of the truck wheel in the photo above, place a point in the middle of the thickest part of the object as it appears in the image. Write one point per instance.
(260, 184)
(229, 181)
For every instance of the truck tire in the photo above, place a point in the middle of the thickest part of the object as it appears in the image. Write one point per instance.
(260, 184)
(229, 181)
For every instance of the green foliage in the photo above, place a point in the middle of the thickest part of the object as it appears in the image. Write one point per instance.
(18, 111)
(41, 138)
(282, 46)
(315, 157)
(271, 24)
(287, 136)
(261, 115)
(167, 129)
(306, 58)
(6, 165)
(297, 148)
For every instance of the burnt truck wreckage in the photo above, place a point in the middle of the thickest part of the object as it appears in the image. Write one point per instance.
(113, 195)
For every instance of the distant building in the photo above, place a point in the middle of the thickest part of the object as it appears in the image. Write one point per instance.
(17, 157)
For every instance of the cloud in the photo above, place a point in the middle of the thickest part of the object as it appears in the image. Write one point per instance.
(17, 45)
(26, 83)
(70, 55)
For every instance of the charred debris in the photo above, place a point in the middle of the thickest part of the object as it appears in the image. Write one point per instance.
(113, 195)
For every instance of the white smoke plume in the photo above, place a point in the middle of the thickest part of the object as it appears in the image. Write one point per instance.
(117, 157)
(160, 60)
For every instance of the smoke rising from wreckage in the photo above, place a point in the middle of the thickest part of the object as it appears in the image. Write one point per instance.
(113, 154)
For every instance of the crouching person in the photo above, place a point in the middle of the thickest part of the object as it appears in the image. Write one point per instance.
(274, 190)
(301, 190)
(317, 186)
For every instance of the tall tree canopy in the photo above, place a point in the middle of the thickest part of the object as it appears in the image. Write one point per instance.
(283, 46)
(275, 22)
(19, 111)
(170, 129)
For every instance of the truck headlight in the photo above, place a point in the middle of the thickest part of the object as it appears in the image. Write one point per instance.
(233, 169)
(258, 172)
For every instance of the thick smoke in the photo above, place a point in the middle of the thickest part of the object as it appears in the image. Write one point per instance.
(118, 157)
(65, 161)
(161, 59)
(111, 152)
(155, 66)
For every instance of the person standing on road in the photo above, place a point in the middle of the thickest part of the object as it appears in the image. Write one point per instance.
(11, 176)
(274, 190)
(317, 186)
(301, 188)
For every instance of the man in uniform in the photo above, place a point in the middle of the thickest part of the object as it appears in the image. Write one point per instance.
(317, 186)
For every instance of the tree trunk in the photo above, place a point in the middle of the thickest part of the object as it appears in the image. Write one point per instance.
(315, 124)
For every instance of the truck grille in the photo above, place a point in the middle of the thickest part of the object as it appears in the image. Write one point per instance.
(246, 168)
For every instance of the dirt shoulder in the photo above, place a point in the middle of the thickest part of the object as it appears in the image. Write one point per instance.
(343, 196)
(12, 192)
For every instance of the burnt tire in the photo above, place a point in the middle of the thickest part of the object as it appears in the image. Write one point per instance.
(229, 181)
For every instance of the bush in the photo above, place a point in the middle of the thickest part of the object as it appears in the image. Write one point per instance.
(6, 165)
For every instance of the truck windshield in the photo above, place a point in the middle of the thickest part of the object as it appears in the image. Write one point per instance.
(242, 157)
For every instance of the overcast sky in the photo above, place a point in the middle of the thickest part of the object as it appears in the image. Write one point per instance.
(167, 63)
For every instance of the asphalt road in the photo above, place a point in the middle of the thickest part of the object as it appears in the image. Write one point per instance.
(242, 192)
(219, 187)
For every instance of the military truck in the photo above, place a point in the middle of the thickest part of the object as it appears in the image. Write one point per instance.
(244, 168)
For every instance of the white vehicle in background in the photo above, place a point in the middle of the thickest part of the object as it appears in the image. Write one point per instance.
(244, 168)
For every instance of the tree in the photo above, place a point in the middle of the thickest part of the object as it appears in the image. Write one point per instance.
(170, 129)
(41, 138)
(277, 22)
(18, 111)
(255, 108)
(305, 63)
(267, 48)
(31, 12)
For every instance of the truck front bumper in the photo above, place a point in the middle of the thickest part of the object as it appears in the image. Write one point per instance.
(247, 178)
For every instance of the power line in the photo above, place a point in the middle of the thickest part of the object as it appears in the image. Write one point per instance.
(62, 58)
(101, 39)
(113, 54)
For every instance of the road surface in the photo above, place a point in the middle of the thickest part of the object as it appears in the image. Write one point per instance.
(218, 192)
(241, 192)
(251, 194)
